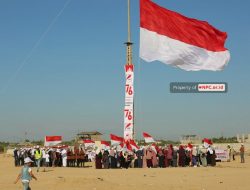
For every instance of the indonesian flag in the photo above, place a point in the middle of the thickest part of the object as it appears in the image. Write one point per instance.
(207, 142)
(52, 140)
(182, 42)
(105, 145)
(148, 138)
(115, 140)
(133, 145)
(88, 143)
(127, 146)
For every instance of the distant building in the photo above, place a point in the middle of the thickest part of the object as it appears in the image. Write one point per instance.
(93, 135)
(243, 138)
(193, 139)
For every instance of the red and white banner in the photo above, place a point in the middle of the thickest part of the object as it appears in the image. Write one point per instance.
(148, 138)
(88, 143)
(182, 42)
(129, 102)
(116, 140)
(105, 145)
(52, 140)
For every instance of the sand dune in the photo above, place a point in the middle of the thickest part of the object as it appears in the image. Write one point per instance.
(225, 176)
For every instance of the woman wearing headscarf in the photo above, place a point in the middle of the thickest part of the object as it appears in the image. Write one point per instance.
(144, 160)
(154, 159)
(182, 156)
(105, 159)
(161, 158)
(149, 158)
(170, 155)
(98, 160)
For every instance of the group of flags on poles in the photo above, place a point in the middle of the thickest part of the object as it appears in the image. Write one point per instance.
(119, 142)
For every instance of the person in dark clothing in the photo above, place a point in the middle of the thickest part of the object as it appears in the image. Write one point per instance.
(139, 154)
(98, 160)
(128, 159)
(182, 156)
(105, 159)
(16, 157)
(161, 158)
(112, 157)
(209, 156)
(213, 159)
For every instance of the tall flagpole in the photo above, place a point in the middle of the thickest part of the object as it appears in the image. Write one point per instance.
(129, 88)
(129, 43)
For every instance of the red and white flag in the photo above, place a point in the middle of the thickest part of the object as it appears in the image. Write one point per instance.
(105, 145)
(148, 138)
(133, 145)
(88, 143)
(182, 42)
(207, 142)
(115, 140)
(52, 140)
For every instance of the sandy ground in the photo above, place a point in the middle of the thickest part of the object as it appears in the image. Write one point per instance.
(225, 176)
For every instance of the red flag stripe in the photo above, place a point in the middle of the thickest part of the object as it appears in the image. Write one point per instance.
(176, 26)
(53, 138)
(88, 141)
(116, 138)
(146, 135)
(105, 143)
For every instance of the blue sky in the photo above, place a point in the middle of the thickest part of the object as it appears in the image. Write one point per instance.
(58, 77)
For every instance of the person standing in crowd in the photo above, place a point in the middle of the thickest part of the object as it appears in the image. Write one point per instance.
(203, 156)
(154, 158)
(26, 174)
(53, 158)
(112, 158)
(182, 156)
(175, 156)
(38, 157)
(46, 160)
(213, 158)
(98, 160)
(209, 155)
(149, 158)
(16, 157)
(127, 159)
(144, 159)
(169, 155)
(229, 152)
(139, 154)
(194, 156)
(161, 158)
(43, 158)
(242, 154)
(105, 159)
(64, 157)
(234, 153)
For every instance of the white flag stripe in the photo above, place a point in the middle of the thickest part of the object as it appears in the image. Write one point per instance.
(155, 47)
(51, 143)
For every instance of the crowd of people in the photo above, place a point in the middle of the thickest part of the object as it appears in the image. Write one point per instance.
(149, 156)
(152, 157)
(116, 157)
(50, 157)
